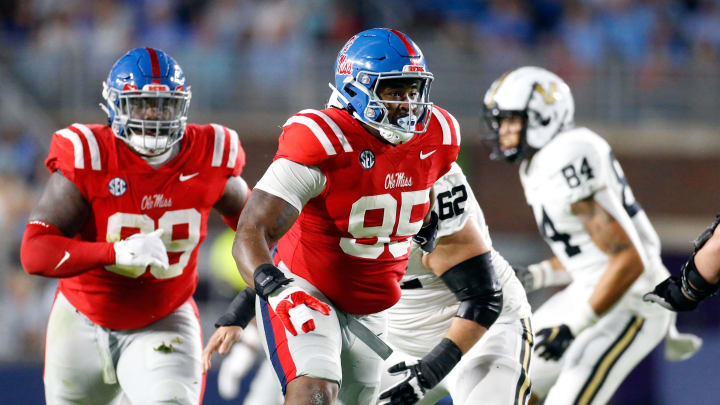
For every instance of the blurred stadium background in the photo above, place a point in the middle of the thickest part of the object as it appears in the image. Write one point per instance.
(645, 75)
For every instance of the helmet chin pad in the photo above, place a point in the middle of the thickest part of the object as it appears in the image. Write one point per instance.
(407, 122)
(395, 137)
(147, 145)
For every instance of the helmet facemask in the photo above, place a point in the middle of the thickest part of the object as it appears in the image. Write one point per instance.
(149, 121)
(493, 118)
(379, 113)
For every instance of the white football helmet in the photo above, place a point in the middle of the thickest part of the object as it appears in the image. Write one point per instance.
(540, 97)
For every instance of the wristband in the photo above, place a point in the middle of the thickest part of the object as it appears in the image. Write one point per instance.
(268, 278)
(545, 276)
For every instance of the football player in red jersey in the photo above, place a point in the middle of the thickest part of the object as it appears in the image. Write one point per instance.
(347, 189)
(119, 223)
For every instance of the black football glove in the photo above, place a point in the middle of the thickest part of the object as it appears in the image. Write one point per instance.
(422, 375)
(669, 295)
(552, 342)
(427, 234)
(686, 292)
(408, 391)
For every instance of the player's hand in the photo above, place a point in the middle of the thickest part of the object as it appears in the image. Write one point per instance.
(668, 294)
(293, 304)
(425, 238)
(134, 254)
(552, 342)
(221, 341)
(411, 389)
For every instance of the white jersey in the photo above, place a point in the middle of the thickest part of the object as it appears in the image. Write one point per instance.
(423, 315)
(573, 166)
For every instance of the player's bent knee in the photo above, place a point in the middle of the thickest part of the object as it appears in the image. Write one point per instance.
(314, 391)
(172, 391)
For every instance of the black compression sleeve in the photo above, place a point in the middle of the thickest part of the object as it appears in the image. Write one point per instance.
(241, 310)
(439, 362)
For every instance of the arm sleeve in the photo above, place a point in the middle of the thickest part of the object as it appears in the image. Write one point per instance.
(293, 182)
(240, 157)
(47, 252)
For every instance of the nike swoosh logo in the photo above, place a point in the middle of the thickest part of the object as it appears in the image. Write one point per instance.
(63, 260)
(184, 177)
(426, 155)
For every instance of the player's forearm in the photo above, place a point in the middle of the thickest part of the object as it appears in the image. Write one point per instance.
(707, 259)
(250, 250)
(623, 269)
(47, 252)
(465, 333)
(263, 221)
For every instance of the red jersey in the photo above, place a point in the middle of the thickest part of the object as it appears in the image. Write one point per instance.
(126, 196)
(352, 241)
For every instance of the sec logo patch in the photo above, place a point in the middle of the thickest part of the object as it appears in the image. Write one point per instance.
(117, 186)
(367, 159)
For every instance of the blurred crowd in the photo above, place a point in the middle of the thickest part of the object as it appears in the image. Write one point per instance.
(61, 49)
(48, 45)
(639, 32)
(271, 35)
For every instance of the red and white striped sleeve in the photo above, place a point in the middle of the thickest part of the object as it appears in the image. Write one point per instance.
(72, 150)
(227, 149)
(310, 137)
(449, 125)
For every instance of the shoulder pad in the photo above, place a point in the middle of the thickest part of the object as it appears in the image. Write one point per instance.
(311, 137)
(453, 177)
(74, 148)
(454, 202)
(449, 133)
(227, 150)
(576, 162)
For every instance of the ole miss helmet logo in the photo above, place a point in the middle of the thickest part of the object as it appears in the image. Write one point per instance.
(344, 65)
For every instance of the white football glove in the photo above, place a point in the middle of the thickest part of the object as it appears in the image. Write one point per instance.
(293, 305)
(134, 254)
